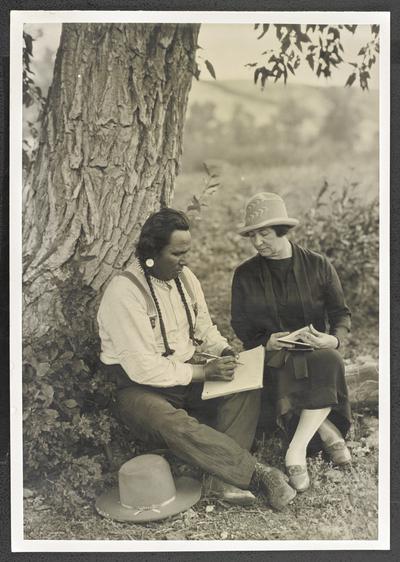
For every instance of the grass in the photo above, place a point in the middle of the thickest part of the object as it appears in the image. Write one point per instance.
(340, 504)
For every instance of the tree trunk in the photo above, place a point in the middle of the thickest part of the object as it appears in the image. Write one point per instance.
(109, 153)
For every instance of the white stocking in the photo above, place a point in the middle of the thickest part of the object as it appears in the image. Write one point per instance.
(309, 423)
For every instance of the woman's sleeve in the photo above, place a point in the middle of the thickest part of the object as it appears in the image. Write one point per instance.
(240, 322)
(339, 315)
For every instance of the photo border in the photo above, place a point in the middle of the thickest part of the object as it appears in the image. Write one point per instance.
(18, 19)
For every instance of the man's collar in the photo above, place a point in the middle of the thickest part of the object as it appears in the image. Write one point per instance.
(136, 265)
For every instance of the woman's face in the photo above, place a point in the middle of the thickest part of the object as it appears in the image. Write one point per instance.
(170, 261)
(267, 243)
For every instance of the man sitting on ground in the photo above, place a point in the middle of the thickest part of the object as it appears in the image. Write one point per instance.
(152, 319)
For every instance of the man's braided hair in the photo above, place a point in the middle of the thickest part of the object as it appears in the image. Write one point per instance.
(154, 236)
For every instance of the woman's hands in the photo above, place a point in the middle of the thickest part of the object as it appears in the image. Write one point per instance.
(320, 340)
(273, 344)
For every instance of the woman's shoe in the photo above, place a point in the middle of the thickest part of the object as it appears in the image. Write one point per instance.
(298, 477)
(338, 453)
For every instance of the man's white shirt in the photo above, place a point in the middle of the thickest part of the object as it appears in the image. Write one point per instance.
(128, 339)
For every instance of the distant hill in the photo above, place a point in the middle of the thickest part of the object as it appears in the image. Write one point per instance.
(227, 94)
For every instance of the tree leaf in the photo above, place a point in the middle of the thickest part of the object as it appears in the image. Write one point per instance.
(375, 29)
(335, 32)
(27, 493)
(264, 31)
(304, 38)
(48, 392)
(310, 60)
(71, 403)
(210, 69)
(322, 190)
(195, 205)
(42, 369)
(50, 413)
(28, 42)
(207, 169)
(351, 79)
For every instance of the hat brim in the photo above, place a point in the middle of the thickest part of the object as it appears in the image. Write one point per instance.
(188, 492)
(284, 221)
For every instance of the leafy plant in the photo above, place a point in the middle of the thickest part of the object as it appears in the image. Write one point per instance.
(210, 186)
(31, 95)
(346, 229)
(320, 46)
(68, 427)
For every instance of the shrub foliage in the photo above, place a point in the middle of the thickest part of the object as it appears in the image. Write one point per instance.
(67, 424)
(346, 230)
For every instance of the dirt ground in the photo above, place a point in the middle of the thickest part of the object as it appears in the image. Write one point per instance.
(340, 504)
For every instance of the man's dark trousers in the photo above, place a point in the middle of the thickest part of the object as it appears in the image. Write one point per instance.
(161, 415)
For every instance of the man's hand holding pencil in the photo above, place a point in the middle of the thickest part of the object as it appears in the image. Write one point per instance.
(220, 368)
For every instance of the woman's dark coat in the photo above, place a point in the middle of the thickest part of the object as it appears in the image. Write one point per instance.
(254, 310)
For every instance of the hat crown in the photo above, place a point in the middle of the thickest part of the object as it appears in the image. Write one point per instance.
(145, 481)
(264, 210)
(264, 207)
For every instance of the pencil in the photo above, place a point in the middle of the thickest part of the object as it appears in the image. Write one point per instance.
(211, 356)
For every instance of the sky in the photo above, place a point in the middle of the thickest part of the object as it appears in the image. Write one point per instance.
(229, 47)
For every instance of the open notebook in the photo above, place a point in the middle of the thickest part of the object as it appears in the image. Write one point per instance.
(247, 376)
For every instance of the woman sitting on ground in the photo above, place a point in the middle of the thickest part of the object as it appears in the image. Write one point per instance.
(280, 290)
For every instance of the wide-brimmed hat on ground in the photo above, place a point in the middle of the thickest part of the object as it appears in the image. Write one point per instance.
(263, 210)
(147, 491)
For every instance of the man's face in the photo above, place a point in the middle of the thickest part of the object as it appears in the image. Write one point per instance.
(169, 263)
(267, 243)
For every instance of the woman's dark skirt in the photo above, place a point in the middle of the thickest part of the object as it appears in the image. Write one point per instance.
(324, 386)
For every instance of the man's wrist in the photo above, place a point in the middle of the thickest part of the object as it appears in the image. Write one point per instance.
(198, 373)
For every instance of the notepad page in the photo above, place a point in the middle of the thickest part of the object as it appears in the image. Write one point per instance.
(248, 376)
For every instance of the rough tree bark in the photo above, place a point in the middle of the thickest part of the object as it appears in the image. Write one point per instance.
(109, 153)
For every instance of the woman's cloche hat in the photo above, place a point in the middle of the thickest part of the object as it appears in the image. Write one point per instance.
(263, 210)
(147, 491)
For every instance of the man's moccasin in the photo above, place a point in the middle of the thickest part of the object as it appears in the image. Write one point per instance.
(276, 487)
(228, 493)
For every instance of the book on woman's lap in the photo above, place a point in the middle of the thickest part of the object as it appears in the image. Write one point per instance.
(248, 376)
(294, 340)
